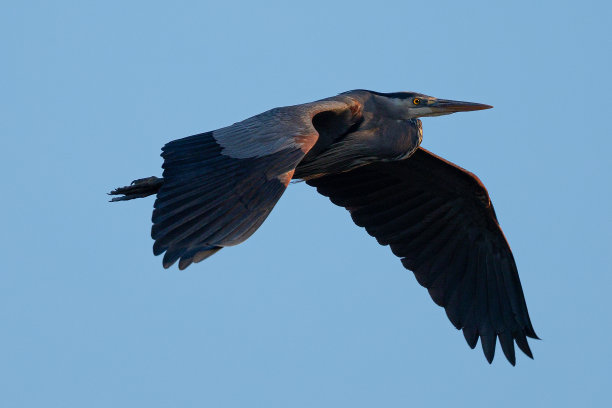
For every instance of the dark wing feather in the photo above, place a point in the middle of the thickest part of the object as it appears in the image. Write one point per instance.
(439, 219)
(219, 187)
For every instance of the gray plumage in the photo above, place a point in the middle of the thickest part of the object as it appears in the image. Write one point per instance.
(361, 149)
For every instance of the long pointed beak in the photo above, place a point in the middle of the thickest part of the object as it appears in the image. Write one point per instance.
(447, 106)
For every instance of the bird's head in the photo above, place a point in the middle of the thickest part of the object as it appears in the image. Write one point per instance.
(411, 105)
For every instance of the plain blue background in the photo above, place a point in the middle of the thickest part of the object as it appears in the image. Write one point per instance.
(309, 312)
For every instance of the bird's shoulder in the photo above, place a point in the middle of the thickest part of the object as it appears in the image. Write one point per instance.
(287, 127)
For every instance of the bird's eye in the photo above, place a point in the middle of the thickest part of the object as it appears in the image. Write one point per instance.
(416, 101)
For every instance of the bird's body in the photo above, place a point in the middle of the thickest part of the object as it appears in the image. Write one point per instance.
(361, 149)
(368, 135)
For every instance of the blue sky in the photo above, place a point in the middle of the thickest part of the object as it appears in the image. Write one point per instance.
(309, 312)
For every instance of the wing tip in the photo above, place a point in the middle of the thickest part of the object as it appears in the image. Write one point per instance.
(507, 342)
(187, 258)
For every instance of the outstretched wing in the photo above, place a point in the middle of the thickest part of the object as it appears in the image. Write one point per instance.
(219, 186)
(439, 219)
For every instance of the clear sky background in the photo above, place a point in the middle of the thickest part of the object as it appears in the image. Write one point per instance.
(309, 312)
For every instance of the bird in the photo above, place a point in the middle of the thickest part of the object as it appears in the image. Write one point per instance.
(361, 149)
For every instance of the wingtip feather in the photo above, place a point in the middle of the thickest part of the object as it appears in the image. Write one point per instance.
(523, 344)
(507, 344)
(471, 336)
(488, 342)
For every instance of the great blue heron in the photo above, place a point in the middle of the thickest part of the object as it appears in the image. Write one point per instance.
(360, 149)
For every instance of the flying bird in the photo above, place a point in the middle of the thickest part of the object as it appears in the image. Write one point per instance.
(360, 149)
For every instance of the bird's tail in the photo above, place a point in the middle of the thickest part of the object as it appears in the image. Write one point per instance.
(138, 188)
